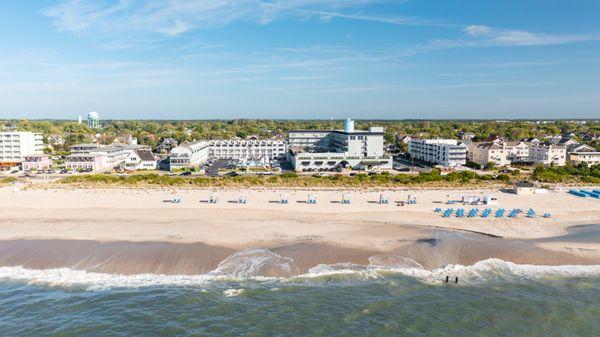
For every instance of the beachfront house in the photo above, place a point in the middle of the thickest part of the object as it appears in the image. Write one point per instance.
(580, 154)
(141, 159)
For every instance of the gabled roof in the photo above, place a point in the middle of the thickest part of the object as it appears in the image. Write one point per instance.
(146, 155)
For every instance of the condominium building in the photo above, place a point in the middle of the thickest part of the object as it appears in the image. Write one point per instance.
(189, 155)
(265, 150)
(330, 149)
(499, 152)
(442, 152)
(547, 154)
(488, 152)
(14, 146)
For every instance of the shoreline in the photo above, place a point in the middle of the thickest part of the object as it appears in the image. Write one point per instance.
(79, 227)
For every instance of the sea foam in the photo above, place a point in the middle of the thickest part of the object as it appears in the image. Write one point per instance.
(480, 272)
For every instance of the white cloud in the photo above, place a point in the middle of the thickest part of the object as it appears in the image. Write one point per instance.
(175, 17)
(488, 36)
(477, 30)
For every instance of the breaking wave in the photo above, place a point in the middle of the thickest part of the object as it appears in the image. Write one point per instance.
(262, 265)
(253, 262)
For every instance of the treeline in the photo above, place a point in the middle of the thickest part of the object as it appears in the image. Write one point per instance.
(290, 180)
(568, 174)
(152, 132)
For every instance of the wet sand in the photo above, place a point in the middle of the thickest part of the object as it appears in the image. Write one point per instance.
(434, 250)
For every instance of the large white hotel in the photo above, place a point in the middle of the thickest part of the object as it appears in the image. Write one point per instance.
(15, 146)
(311, 150)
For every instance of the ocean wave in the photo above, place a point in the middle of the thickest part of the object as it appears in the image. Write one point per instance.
(480, 272)
(253, 262)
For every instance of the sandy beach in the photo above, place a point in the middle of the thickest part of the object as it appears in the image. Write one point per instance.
(140, 230)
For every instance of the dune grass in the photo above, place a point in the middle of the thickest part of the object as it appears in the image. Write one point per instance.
(291, 180)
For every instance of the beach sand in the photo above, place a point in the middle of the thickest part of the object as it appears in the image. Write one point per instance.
(140, 230)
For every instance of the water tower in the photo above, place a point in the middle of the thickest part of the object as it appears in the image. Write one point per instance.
(93, 120)
(348, 125)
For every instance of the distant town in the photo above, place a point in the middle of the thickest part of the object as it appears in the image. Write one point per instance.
(266, 147)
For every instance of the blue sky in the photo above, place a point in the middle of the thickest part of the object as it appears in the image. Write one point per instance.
(193, 59)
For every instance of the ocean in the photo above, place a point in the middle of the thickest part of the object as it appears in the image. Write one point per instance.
(491, 298)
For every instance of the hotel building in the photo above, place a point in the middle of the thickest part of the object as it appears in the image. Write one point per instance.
(442, 152)
(330, 149)
(98, 158)
(265, 150)
(14, 146)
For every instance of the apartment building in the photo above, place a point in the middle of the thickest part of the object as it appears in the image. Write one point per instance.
(442, 152)
(330, 149)
(15, 145)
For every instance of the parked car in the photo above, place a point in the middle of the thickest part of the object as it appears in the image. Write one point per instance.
(186, 173)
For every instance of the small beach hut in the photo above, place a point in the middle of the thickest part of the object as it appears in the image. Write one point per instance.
(524, 187)
(213, 199)
(384, 199)
(346, 199)
(283, 199)
(312, 198)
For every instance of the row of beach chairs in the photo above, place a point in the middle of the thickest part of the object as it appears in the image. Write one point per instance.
(284, 199)
(486, 213)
